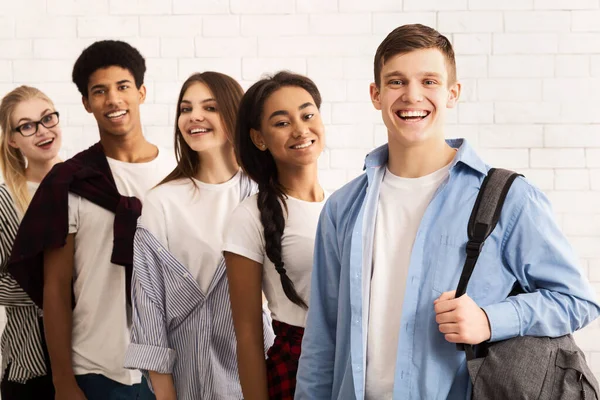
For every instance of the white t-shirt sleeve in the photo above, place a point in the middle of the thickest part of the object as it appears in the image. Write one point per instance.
(74, 202)
(153, 217)
(244, 234)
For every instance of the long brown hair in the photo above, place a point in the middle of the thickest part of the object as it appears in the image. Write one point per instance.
(227, 93)
(260, 167)
(12, 161)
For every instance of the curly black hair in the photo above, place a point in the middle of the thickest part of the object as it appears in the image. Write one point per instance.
(107, 53)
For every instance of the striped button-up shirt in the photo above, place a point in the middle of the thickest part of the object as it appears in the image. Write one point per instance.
(177, 329)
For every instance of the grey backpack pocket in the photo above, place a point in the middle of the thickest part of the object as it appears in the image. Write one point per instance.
(573, 378)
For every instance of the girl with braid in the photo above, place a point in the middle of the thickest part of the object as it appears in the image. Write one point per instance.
(268, 244)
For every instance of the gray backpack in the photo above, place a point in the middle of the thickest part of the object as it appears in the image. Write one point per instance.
(523, 367)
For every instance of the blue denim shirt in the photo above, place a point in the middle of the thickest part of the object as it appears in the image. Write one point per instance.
(527, 246)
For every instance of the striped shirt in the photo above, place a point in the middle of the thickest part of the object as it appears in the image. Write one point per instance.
(178, 329)
(21, 344)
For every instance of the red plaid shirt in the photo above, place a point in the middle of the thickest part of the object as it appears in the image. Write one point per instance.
(46, 222)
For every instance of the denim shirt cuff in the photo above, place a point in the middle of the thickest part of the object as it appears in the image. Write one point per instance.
(504, 321)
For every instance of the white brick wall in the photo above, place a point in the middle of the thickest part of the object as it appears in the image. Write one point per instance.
(530, 71)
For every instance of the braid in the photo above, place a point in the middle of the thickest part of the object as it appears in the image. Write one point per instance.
(271, 217)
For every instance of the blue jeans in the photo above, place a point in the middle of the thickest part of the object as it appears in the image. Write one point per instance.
(99, 387)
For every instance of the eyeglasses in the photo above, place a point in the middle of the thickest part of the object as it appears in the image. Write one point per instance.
(30, 128)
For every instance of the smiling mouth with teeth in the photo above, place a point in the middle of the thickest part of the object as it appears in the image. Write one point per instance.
(45, 142)
(197, 131)
(303, 145)
(413, 115)
(116, 114)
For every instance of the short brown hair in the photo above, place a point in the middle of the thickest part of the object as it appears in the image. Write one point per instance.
(407, 38)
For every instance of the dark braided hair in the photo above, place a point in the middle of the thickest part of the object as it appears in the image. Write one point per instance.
(260, 166)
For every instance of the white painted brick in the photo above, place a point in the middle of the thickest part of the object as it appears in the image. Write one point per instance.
(574, 88)
(221, 26)
(274, 25)
(171, 26)
(155, 114)
(262, 6)
(572, 179)
(348, 158)
(525, 43)
(332, 179)
(323, 162)
(557, 158)
(542, 178)
(384, 23)
(358, 68)
(202, 7)
(381, 135)
(565, 4)
(537, 21)
(226, 47)
(573, 66)
(7, 26)
(355, 136)
(43, 27)
(472, 67)
(148, 46)
(526, 112)
(506, 158)
(358, 90)
(511, 136)
(319, 46)
(582, 203)
(579, 43)
(160, 135)
(345, 113)
(168, 92)
(316, 6)
(594, 265)
(586, 246)
(595, 65)
(26, 71)
(572, 136)
(585, 21)
(6, 71)
(471, 21)
(140, 7)
(434, 5)
(331, 90)
(254, 68)
(595, 360)
(503, 89)
(76, 114)
(161, 69)
(587, 342)
(76, 7)
(226, 65)
(595, 181)
(30, 7)
(369, 6)
(592, 158)
(580, 112)
(326, 67)
(468, 91)
(581, 225)
(177, 47)
(54, 49)
(475, 113)
(16, 48)
(107, 26)
(521, 66)
(452, 115)
(326, 113)
(340, 24)
(468, 132)
(472, 43)
(505, 5)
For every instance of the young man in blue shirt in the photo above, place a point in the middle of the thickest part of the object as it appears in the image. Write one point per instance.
(383, 320)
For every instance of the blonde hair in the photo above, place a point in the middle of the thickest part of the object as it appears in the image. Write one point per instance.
(12, 161)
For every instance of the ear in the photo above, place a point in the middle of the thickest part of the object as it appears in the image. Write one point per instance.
(258, 140)
(142, 91)
(86, 104)
(12, 142)
(453, 95)
(375, 96)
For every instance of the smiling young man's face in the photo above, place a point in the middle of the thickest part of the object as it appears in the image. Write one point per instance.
(114, 100)
(414, 94)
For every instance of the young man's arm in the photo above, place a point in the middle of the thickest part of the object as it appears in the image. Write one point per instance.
(315, 371)
(58, 314)
(559, 298)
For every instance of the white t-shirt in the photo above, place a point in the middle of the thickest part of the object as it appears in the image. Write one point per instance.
(402, 203)
(189, 221)
(244, 235)
(101, 319)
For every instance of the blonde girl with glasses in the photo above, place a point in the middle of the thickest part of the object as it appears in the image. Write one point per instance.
(30, 141)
